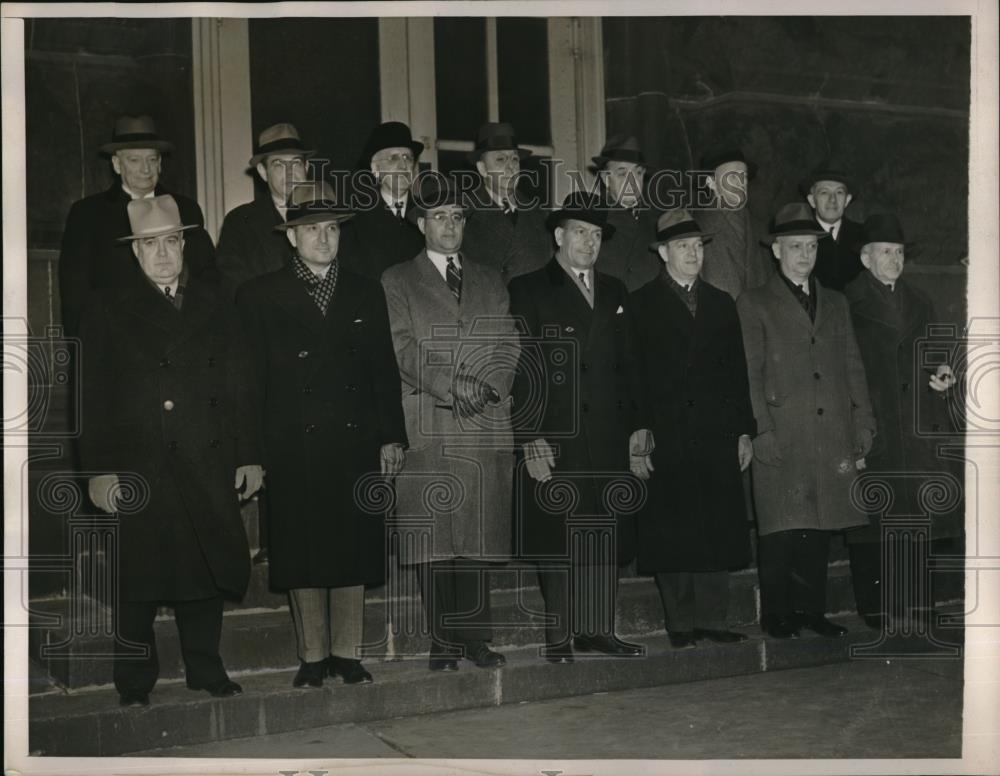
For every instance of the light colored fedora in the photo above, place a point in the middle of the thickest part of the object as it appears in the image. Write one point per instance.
(153, 217)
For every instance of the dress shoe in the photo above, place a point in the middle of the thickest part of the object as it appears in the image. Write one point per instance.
(781, 628)
(480, 653)
(221, 688)
(878, 622)
(719, 636)
(310, 674)
(133, 699)
(607, 645)
(682, 639)
(817, 623)
(349, 669)
(443, 663)
(562, 655)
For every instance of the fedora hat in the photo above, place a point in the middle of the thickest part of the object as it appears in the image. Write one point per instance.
(619, 148)
(390, 134)
(720, 156)
(582, 206)
(825, 173)
(153, 217)
(278, 139)
(795, 218)
(135, 132)
(313, 203)
(494, 136)
(883, 228)
(676, 225)
(432, 191)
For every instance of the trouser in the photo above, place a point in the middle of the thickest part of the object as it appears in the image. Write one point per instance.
(199, 625)
(792, 566)
(694, 599)
(579, 599)
(893, 579)
(328, 621)
(456, 597)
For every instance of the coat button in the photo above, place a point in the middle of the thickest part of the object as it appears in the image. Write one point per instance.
(690, 402)
(905, 387)
(172, 444)
(583, 366)
(350, 387)
(168, 405)
(214, 443)
(352, 426)
(213, 402)
(816, 375)
(164, 363)
(211, 360)
(310, 428)
(819, 411)
(307, 389)
(303, 354)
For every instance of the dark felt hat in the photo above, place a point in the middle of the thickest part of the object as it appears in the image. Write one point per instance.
(390, 134)
(717, 157)
(278, 139)
(313, 203)
(135, 132)
(496, 136)
(433, 190)
(676, 225)
(582, 206)
(883, 228)
(826, 173)
(620, 148)
(795, 218)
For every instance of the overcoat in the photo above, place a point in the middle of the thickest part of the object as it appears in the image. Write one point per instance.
(579, 387)
(330, 391)
(512, 249)
(838, 261)
(91, 256)
(376, 239)
(627, 256)
(807, 385)
(696, 380)
(167, 396)
(458, 472)
(735, 260)
(249, 245)
(889, 326)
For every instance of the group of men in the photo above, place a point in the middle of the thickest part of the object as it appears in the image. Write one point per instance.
(576, 388)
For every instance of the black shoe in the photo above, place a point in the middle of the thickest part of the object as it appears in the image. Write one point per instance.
(817, 623)
(479, 652)
(719, 636)
(260, 557)
(351, 670)
(310, 674)
(442, 663)
(681, 639)
(132, 699)
(781, 628)
(878, 622)
(562, 655)
(607, 645)
(223, 688)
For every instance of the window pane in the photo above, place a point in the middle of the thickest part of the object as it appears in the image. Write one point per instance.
(523, 74)
(460, 76)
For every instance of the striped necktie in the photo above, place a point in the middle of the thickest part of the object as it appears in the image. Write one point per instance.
(453, 275)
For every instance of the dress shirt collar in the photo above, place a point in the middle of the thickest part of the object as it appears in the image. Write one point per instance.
(440, 262)
(391, 203)
(133, 195)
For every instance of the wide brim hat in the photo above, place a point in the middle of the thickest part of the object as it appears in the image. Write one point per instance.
(825, 173)
(390, 134)
(279, 139)
(716, 158)
(677, 225)
(883, 228)
(795, 218)
(620, 148)
(135, 132)
(313, 203)
(494, 136)
(154, 217)
(431, 191)
(582, 206)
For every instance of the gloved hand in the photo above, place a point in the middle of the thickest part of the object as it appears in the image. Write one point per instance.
(640, 453)
(103, 491)
(943, 379)
(249, 478)
(470, 395)
(744, 449)
(539, 460)
(863, 439)
(392, 458)
(766, 450)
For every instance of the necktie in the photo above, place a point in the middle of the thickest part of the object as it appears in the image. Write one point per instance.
(510, 212)
(583, 279)
(635, 214)
(453, 276)
(833, 234)
(168, 293)
(399, 210)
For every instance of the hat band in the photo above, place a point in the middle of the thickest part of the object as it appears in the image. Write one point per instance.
(312, 208)
(283, 143)
(135, 137)
(793, 227)
(683, 229)
(625, 155)
(497, 143)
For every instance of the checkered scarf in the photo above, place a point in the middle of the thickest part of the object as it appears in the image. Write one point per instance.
(320, 289)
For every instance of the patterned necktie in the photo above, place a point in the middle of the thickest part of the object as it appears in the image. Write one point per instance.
(583, 279)
(399, 210)
(168, 293)
(453, 275)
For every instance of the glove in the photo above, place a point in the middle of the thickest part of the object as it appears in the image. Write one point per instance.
(766, 449)
(392, 458)
(744, 448)
(943, 379)
(249, 478)
(640, 450)
(471, 395)
(863, 442)
(103, 491)
(539, 460)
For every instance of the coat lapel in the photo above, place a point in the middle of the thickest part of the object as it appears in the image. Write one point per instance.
(291, 295)
(789, 305)
(574, 314)
(434, 284)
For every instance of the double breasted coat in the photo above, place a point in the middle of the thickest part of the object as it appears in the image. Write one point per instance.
(167, 397)
(458, 473)
(627, 256)
(838, 261)
(91, 257)
(888, 325)
(330, 391)
(249, 245)
(696, 381)
(807, 385)
(376, 238)
(735, 260)
(579, 387)
(511, 248)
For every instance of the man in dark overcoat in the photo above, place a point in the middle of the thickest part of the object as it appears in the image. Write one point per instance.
(92, 254)
(829, 192)
(890, 316)
(332, 415)
(695, 529)
(507, 233)
(381, 235)
(814, 423)
(580, 412)
(167, 399)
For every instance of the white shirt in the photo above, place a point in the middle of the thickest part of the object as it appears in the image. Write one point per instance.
(133, 195)
(440, 262)
(391, 203)
(834, 228)
(586, 286)
(282, 209)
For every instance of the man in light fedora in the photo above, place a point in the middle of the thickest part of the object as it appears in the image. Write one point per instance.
(735, 260)
(332, 415)
(621, 169)
(249, 245)
(167, 396)
(380, 235)
(694, 530)
(507, 232)
(91, 256)
(829, 191)
(814, 423)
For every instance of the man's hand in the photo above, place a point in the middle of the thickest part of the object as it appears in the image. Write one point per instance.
(392, 458)
(470, 396)
(249, 478)
(745, 450)
(765, 447)
(942, 379)
(539, 460)
(103, 490)
(863, 442)
(640, 451)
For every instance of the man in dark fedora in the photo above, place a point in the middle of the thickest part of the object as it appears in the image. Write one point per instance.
(621, 170)
(92, 257)
(167, 397)
(735, 260)
(507, 233)
(829, 191)
(890, 316)
(580, 413)
(249, 244)
(694, 531)
(380, 235)
(814, 423)
(327, 372)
